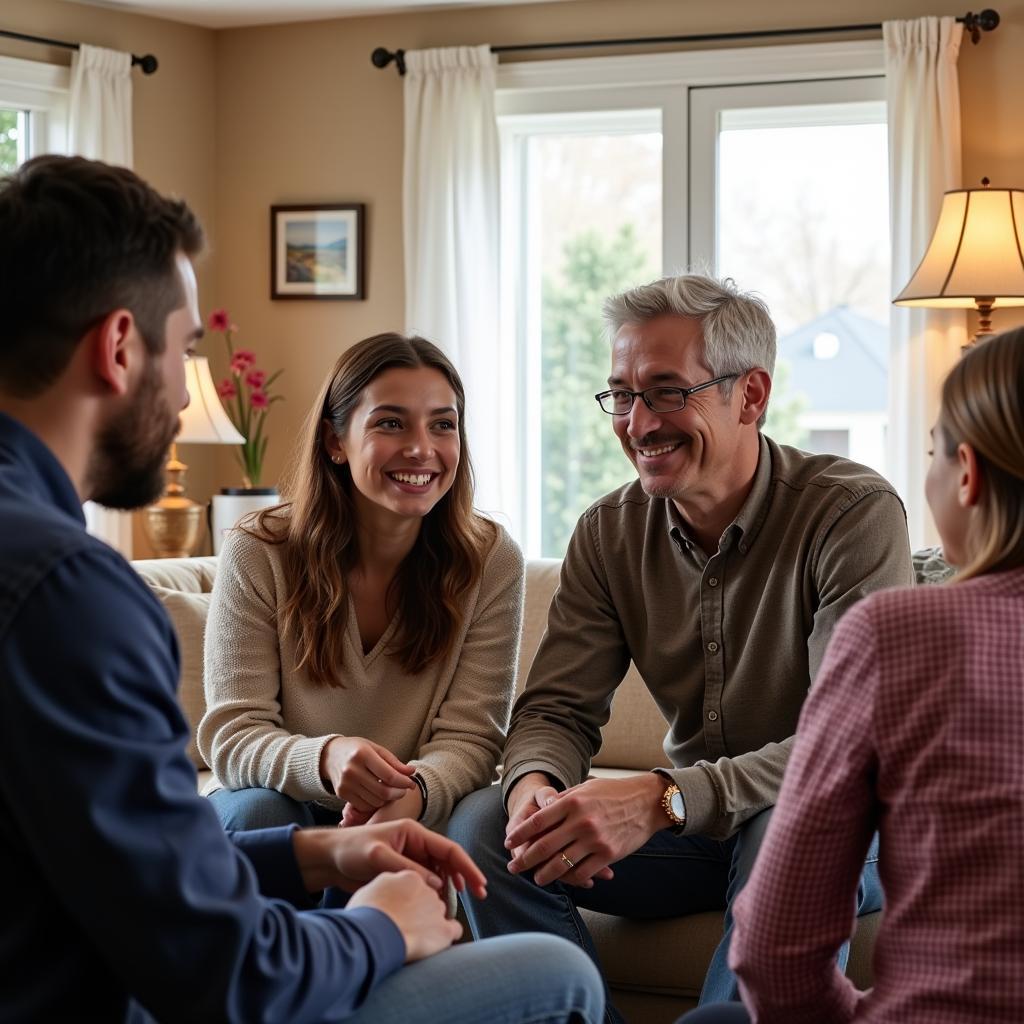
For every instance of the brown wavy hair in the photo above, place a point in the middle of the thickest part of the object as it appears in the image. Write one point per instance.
(983, 406)
(317, 526)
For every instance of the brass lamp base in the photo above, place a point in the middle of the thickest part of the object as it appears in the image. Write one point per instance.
(173, 524)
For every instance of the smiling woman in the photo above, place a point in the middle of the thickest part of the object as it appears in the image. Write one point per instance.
(360, 623)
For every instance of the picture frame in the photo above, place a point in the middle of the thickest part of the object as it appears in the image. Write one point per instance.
(318, 252)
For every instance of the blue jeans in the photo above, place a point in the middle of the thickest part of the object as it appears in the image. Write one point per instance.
(517, 979)
(669, 876)
(243, 810)
(472, 983)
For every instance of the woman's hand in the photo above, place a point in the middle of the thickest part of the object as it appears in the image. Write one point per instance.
(408, 805)
(364, 774)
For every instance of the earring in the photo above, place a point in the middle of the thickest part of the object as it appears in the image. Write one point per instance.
(336, 459)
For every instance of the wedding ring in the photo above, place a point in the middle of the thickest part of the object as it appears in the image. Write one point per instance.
(568, 862)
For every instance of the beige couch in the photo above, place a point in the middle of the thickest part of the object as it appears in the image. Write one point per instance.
(655, 968)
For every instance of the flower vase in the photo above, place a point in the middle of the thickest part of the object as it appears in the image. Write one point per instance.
(232, 504)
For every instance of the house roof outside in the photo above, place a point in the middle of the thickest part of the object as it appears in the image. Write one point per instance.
(840, 360)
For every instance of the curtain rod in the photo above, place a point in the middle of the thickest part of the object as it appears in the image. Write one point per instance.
(148, 63)
(975, 24)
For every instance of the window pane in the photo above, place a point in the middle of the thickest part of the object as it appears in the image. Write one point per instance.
(803, 220)
(595, 224)
(13, 131)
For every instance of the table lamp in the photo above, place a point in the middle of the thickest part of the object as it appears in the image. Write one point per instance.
(173, 524)
(975, 259)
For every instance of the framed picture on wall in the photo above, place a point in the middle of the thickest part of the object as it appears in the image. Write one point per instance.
(316, 252)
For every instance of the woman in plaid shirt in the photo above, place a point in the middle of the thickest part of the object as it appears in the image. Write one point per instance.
(915, 728)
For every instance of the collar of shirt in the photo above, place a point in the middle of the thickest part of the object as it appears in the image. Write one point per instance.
(749, 519)
(29, 468)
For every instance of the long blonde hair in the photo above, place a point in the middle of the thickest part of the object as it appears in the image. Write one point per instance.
(983, 406)
(317, 525)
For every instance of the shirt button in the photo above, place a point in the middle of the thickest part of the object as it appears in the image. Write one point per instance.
(713, 582)
(712, 716)
(712, 647)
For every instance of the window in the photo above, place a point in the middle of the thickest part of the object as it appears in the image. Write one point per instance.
(616, 170)
(33, 110)
(589, 225)
(13, 138)
(797, 175)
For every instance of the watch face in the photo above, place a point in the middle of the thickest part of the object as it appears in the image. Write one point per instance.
(677, 805)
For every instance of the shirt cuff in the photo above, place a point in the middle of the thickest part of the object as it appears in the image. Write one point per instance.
(699, 796)
(510, 777)
(387, 947)
(271, 852)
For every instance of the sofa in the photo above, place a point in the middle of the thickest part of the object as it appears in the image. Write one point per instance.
(655, 968)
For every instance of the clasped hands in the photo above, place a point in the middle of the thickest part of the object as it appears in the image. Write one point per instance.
(574, 836)
(375, 785)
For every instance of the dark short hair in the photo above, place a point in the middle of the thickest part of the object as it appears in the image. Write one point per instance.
(79, 239)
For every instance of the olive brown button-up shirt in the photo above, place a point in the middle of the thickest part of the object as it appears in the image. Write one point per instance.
(728, 644)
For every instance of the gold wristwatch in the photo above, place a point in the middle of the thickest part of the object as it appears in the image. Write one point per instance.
(673, 805)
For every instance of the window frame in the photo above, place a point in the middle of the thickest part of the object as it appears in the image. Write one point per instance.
(42, 90)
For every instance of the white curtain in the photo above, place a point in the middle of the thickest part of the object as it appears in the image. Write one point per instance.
(924, 161)
(100, 127)
(452, 210)
(100, 107)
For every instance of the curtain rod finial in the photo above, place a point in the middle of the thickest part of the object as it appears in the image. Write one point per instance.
(148, 63)
(984, 21)
(381, 58)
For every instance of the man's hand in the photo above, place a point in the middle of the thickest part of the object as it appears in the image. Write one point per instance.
(416, 909)
(350, 857)
(364, 773)
(581, 831)
(529, 794)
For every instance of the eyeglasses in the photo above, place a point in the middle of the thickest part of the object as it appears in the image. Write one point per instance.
(619, 401)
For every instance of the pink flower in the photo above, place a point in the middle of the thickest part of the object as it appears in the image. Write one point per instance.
(259, 400)
(242, 360)
(255, 379)
(226, 388)
(220, 321)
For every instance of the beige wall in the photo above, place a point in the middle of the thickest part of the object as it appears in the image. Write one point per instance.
(242, 119)
(303, 116)
(173, 113)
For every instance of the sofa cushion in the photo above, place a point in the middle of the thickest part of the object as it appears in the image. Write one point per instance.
(633, 737)
(930, 566)
(183, 587)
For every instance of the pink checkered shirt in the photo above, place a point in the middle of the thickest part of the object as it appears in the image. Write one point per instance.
(915, 727)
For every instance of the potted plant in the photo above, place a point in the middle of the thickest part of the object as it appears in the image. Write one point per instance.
(247, 394)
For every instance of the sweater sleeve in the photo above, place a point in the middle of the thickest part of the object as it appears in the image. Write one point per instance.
(467, 733)
(242, 735)
(134, 857)
(799, 905)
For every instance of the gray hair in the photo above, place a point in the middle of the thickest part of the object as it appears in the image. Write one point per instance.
(738, 331)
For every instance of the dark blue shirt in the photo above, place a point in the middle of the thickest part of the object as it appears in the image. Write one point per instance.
(121, 898)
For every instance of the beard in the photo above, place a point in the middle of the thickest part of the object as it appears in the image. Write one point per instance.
(126, 469)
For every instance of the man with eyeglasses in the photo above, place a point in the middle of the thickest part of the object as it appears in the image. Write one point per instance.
(720, 572)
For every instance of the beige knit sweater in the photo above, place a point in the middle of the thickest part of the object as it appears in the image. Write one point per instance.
(266, 723)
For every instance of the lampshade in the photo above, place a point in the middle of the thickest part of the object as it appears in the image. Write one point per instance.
(204, 421)
(976, 255)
